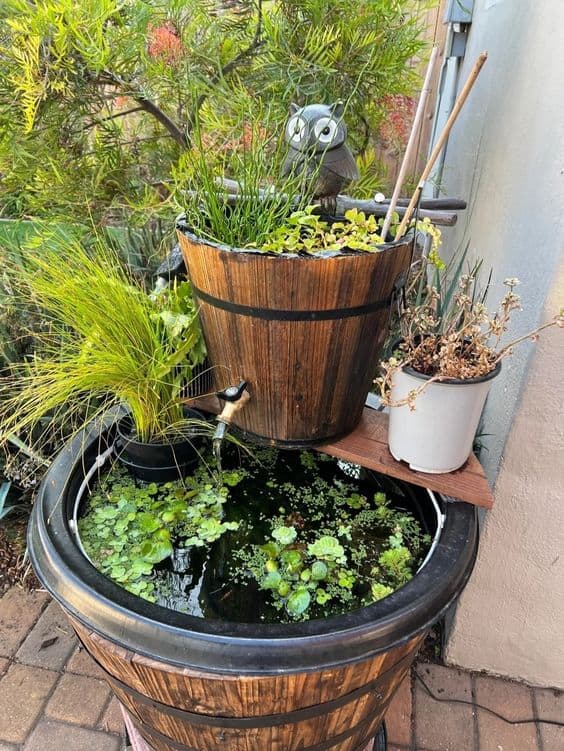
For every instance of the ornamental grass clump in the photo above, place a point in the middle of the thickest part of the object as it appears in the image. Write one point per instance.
(446, 331)
(237, 198)
(105, 342)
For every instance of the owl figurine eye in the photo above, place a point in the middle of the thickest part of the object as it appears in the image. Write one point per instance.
(316, 135)
(296, 129)
(325, 129)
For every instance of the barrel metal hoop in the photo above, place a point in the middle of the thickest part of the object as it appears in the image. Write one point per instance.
(149, 732)
(290, 443)
(275, 314)
(258, 721)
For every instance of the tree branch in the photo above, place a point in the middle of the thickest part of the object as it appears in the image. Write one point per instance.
(134, 141)
(146, 104)
(182, 137)
(115, 115)
(248, 51)
(366, 134)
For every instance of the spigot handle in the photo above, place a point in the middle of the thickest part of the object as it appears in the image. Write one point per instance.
(235, 397)
(232, 393)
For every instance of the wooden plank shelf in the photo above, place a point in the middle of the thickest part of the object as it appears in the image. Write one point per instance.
(367, 445)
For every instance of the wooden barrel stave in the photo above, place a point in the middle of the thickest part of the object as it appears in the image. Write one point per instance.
(235, 695)
(308, 378)
(335, 724)
(180, 709)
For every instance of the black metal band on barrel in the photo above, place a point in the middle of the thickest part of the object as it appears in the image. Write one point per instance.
(294, 443)
(258, 721)
(149, 732)
(274, 314)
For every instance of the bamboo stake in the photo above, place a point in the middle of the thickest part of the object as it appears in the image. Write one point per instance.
(412, 142)
(471, 80)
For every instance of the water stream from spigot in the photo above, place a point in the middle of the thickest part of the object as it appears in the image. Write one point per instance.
(217, 442)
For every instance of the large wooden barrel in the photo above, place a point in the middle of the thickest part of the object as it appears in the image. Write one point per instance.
(305, 332)
(195, 684)
(182, 709)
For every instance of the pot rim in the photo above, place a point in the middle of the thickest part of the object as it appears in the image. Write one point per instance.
(219, 646)
(453, 381)
(182, 227)
(178, 438)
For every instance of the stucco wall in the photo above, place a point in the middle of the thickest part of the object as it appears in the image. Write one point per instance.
(510, 618)
(506, 156)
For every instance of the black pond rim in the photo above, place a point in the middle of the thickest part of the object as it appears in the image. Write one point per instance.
(181, 226)
(222, 647)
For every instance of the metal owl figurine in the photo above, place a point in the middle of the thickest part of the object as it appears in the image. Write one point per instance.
(316, 137)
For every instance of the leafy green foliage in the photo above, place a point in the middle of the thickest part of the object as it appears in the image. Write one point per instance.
(373, 175)
(107, 342)
(129, 528)
(325, 559)
(306, 232)
(98, 100)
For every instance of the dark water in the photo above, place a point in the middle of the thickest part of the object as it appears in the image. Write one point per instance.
(202, 583)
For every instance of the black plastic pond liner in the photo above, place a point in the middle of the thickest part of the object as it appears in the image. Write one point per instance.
(166, 635)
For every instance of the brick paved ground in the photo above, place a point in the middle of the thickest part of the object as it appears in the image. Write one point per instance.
(52, 697)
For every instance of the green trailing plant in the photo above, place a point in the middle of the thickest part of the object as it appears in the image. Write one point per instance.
(99, 100)
(129, 528)
(107, 342)
(304, 231)
(446, 330)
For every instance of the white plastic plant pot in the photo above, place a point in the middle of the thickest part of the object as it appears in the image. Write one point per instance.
(437, 435)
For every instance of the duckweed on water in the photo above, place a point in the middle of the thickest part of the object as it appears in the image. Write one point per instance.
(284, 536)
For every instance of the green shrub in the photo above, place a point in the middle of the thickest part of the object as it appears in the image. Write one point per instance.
(99, 99)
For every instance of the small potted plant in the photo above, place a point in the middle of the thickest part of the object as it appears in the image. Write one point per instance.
(108, 342)
(451, 349)
(293, 301)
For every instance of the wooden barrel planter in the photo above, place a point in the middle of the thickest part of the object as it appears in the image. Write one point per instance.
(192, 684)
(305, 332)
